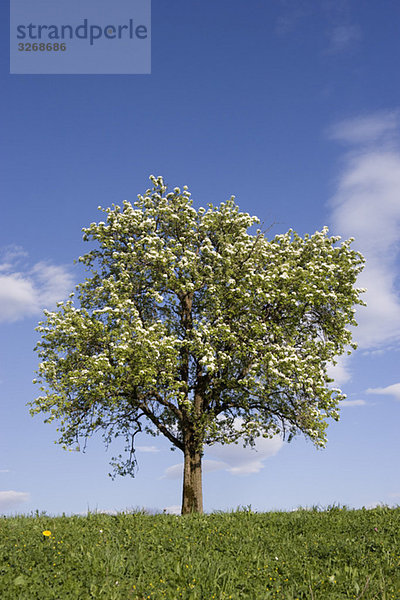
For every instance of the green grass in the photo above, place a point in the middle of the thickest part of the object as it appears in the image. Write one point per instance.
(314, 555)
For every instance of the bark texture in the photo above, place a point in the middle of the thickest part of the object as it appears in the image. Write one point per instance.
(192, 495)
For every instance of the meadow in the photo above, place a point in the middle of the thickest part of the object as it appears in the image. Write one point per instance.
(316, 554)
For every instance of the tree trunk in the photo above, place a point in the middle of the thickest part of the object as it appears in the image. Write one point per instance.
(192, 495)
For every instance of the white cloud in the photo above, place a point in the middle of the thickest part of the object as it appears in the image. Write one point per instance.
(213, 465)
(341, 371)
(173, 472)
(376, 504)
(10, 255)
(53, 283)
(234, 458)
(390, 390)
(379, 127)
(244, 461)
(25, 291)
(151, 449)
(374, 352)
(366, 206)
(176, 471)
(17, 297)
(4, 470)
(10, 499)
(173, 510)
(352, 403)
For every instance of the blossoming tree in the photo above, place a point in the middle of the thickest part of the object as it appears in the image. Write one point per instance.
(188, 321)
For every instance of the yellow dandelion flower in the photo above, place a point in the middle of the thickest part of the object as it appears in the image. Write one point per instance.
(47, 533)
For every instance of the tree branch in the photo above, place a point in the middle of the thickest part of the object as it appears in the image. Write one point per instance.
(174, 440)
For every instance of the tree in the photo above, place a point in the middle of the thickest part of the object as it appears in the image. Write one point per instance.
(188, 321)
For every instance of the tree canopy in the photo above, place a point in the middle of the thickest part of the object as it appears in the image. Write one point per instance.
(188, 320)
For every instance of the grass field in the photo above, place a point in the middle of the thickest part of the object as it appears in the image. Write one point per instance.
(306, 554)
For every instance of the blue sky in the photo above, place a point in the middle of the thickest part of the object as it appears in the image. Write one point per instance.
(293, 107)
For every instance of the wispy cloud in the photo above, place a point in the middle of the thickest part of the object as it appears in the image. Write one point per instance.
(339, 32)
(11, 499)
(390, 390)
(173, 472)
(340, 372)
(293, 13)
(379, 127)
(52, 283)
(245, 461)
(149, 449)
(352, 403)
(18, 297)
(10, 256)
(234, 458)
(25, 290)
(342, 37)
(366, 206)
(208, 466)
